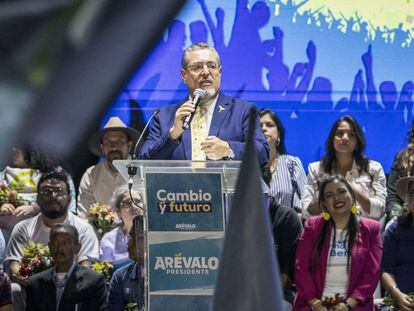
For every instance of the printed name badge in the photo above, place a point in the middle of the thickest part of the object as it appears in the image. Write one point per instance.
(184, 202)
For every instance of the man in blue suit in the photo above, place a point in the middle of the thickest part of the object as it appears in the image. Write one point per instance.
(225, 122)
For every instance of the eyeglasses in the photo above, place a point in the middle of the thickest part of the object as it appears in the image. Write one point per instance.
(128, 203)
(198, 67)
(49, 192)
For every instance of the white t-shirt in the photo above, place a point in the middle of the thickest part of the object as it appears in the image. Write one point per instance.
(336, 281)
(34, 229)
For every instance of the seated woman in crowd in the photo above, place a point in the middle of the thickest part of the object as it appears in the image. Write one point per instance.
(23, 175)
(338, 253)
(113, 246)
(287, 173)
(345, 156)
(402, 167)
(398, 257)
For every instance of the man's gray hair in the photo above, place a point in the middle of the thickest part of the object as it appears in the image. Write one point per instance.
(197, 47)
(65, 228)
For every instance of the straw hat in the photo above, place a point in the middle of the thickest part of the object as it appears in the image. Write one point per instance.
(113, 124)
(401, 186)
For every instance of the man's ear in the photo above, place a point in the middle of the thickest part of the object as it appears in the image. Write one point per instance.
(184, 75)
(129, 146)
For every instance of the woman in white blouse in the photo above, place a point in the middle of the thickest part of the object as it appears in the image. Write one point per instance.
(345, 156)
(286, 173)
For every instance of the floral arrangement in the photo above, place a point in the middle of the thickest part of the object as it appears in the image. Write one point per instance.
(8, 194)
(36, 258)
(102, 217)
(132, 306)
(104, 267)
(331, 302)
(390, 302)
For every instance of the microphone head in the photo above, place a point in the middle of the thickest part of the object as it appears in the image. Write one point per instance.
(199, 92)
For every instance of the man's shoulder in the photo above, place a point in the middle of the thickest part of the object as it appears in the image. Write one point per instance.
(88, 274)
(40, 277)
(284, 213)
(79, 223)
(94, 168)
(233, 100)
(24, 225)
(125, 270)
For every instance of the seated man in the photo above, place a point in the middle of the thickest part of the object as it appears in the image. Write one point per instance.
(66, 286)
(113, 142)
(53, 199)
(127, 284)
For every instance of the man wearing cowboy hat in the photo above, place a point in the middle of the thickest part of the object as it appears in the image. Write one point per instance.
(113, 142)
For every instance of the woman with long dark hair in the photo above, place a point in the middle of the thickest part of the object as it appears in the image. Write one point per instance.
(285, 172)
(345, 148)
(398, 260)
(403, 166)
(338, 254)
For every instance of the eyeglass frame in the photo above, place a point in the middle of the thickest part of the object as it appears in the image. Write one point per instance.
(216, 67)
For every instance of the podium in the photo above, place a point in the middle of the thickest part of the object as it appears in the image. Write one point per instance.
(185, 207)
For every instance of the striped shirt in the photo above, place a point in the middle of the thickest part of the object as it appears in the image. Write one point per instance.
(288, 181)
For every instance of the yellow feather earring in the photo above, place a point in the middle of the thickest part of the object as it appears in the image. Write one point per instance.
(354, 209)
(326, 216)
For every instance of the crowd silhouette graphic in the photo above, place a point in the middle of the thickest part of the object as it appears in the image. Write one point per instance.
(255, 68)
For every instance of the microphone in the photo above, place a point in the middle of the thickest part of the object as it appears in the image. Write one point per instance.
(134, 155)
(132, 169)
(198, 95)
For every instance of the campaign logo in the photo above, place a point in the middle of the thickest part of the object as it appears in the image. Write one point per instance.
(185, 226)
(184, 202)
(179, 264)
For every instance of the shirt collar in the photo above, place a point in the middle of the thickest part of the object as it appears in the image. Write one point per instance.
(65, 279)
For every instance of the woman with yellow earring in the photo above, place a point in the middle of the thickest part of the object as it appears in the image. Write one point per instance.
(338, 255)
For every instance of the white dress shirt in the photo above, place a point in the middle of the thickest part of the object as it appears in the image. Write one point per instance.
(376, 191)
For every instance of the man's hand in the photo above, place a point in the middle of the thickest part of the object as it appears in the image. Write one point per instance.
(25, 210)
(6, 209)
(185, 109)
(215, 148)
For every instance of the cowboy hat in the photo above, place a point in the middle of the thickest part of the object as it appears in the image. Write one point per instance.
(113, 124)
(401, 186)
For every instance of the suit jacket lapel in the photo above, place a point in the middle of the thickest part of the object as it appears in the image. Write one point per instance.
(185, 137)
(186, 143)
(223, 107)
(71, 289)
(49, 290)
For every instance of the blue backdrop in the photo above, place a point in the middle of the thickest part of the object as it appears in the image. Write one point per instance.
(306, 60)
